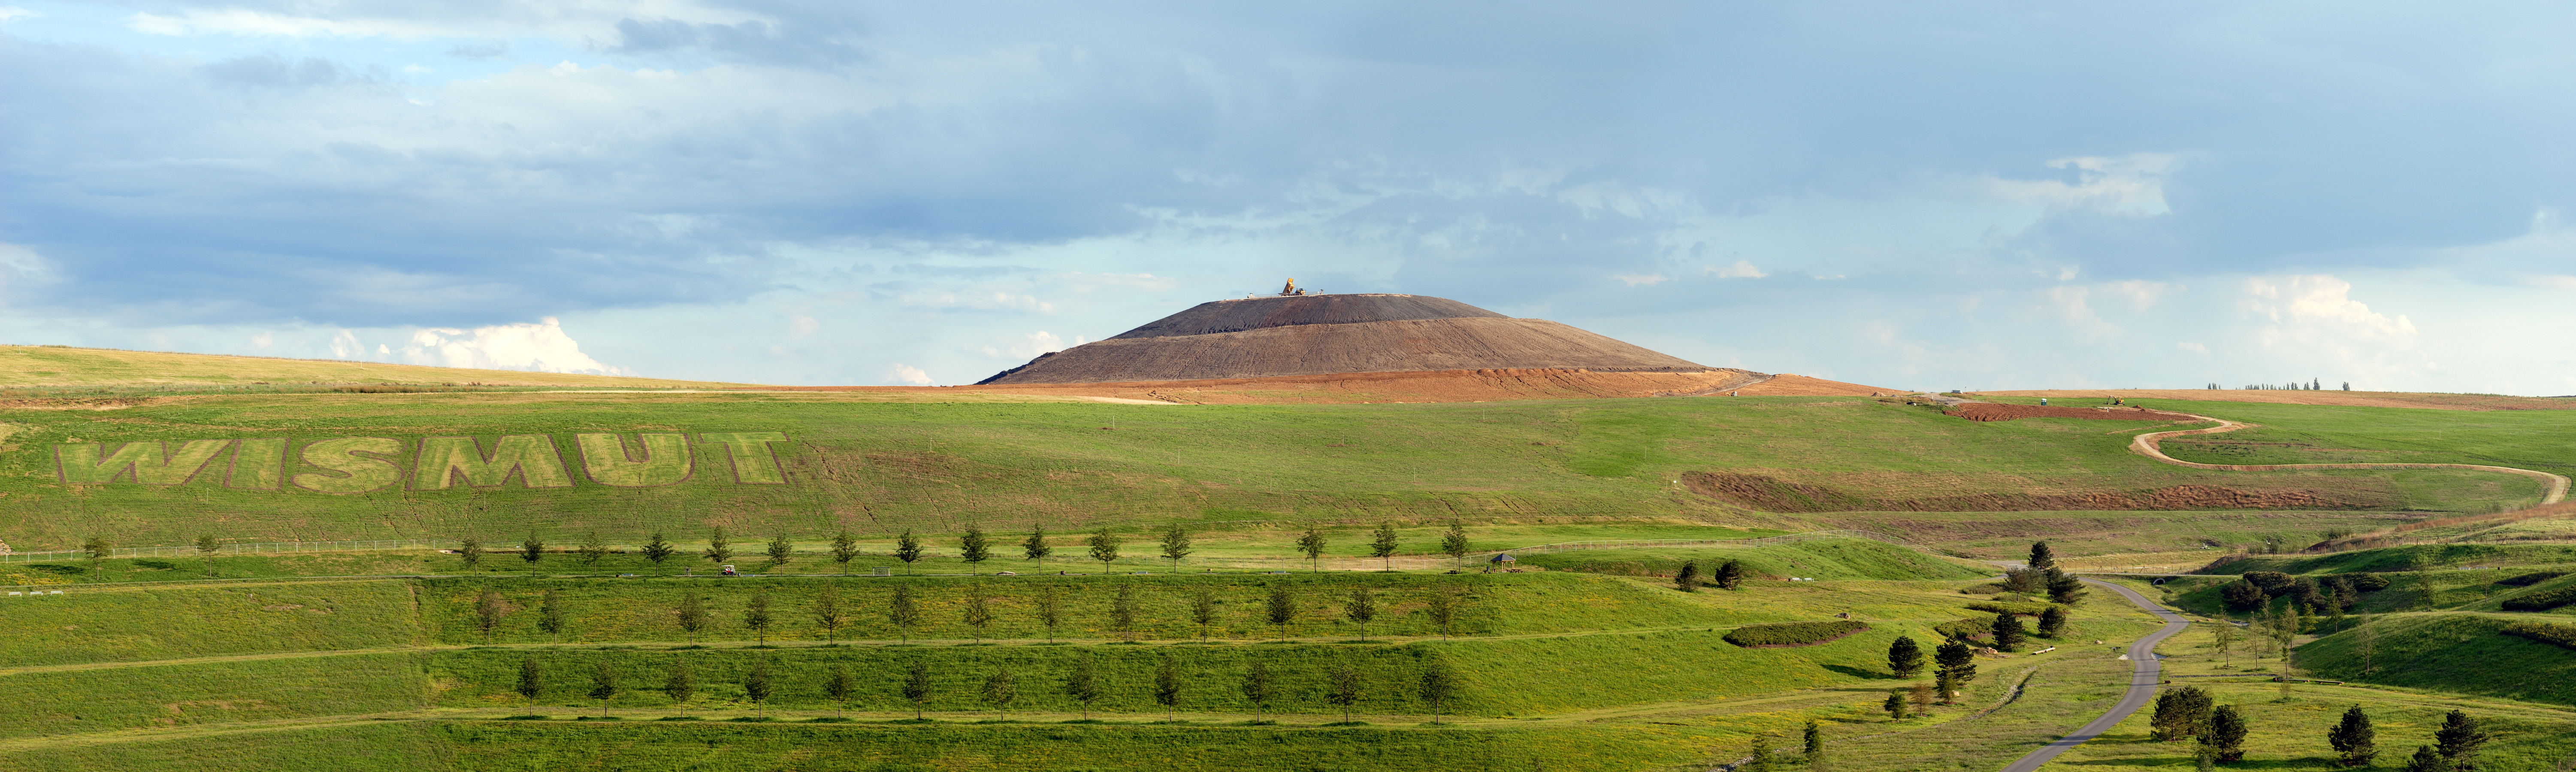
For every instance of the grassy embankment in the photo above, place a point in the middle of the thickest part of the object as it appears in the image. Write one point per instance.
(878, 468)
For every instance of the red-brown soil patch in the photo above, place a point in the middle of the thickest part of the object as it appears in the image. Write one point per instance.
(1354, 388)
(1793, 385)
(1989, 411)
(1770, 494)
(2343, 398)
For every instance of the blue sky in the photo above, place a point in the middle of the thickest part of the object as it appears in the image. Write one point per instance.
(1982, 196)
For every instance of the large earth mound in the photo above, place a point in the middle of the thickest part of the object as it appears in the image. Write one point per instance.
(1301, 335)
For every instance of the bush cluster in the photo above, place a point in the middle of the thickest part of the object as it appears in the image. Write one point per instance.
(1792, 633)
(2543, 600)
(2029, 609)
(2544, 632)
(2530, 579)
(1971, 628)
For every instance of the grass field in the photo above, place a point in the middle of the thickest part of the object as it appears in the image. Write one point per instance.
(879, 468)
(117, 624)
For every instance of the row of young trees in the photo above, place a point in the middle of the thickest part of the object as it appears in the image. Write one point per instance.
(974, 547)
(1437, 685)
(2191, 713)
(903, 609)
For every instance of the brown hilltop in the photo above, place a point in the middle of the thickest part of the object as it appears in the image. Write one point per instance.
(1314, 335)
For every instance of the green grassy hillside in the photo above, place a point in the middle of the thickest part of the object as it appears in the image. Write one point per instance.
(1835, 559)
(87, 624)
(2458, 653)
(879, 468)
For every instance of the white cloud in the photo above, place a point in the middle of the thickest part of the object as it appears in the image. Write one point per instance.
(803, 325)
(10, 13)
(2142, 294)
(1641, 279)
(2323, 301)
(264, 339)
(1028, 346)
(541, 347)
(2191, 347)
(2555, 282)
(1742, 269)
(907, 375)
(2131, 185)
(344, 345)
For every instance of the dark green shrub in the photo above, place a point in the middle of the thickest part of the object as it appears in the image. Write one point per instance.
(2544, 632)
(2543, 600)
(1792, 633)
(2029, 609)
(2530, 579)
(2370, 582)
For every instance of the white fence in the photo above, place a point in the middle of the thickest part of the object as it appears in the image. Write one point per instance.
(1414, 562)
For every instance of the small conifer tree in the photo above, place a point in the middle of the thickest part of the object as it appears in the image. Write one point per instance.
(1203, 608)
(693, 615)
(755, 616)
(1729, 575)
(593, 549)
(471, 549)
(756, 686)
(1167, 684)
(780, 551)
(907, 548)
(844, 549)
(532, 679)
(2225, 733)
(979, 609)
(1442, 606)
(1439, 685)
(975, 547)
(1361, 608)
(1037, 548)
(532, 550)
(1083, 684)
(603, 683)
(718, 549)
(1895, 704)
(658, 550)
(1282, 608)
(1454, 542)
(2354, 741)
(2008, 631)
(1104, 548)
(1176, 545)
(1258, 688)
(840, 686)
(904, 611)
(916, 687)
(1000, 690)
(1312, 544)
(827, 611)
(1687, 579)
(551, 614)
(681, 685)
(488, 610)
(1905, 657)
(1382, 544)
(1345, 689)
(1122, 609)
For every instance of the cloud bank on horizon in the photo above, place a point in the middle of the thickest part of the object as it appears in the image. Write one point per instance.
(2016, 195)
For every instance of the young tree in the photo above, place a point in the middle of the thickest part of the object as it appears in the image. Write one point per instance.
(827, 611)
(1382, 544)
(2366, 643)
(206, 547)
(2427, 760)
(1729, 575)
(532, 550)
(1454, 543)
(2052, 623)
(2008, 631)
(2458, 740)
(2354, 740)
(2041, 557)
(1361, 608)
(1442, 606)
(1345, 690)
(1050, 610)
(1815, 741)
(2223, 637)
(916, 686)
(2065, 589)
(1895, 704)
(755, 616)
(1083, 685)
(1257, 686)
(1167, 684)
(2181, 713)
(1922, 696)
(593, 549)
(1176, 545)
(1762, 761)
(1312, 543)
(532, 679)
(1687, 579)
(844, 549)
(550, 614)
(780, 551)
(98, 549)
(682, 683)
(1122, 610)
(999, 690)
(1282, 608)
(975, 548)
(1439, 684)
(1956, 664)
(603, 683)
(471, 549)
(1947, 683)
(905, 611)
(907, 548)
(1104, 548)
(979, 609)
(488, 610)
(1037, 548)
(693, 615)
(839, 687)
(756, 686)
(2225, 733)
(718, 549)
(1203, 608)
(1905, 657)
(658, 550)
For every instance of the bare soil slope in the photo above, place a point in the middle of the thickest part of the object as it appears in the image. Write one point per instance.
(1792, 385)
(1333, 335)
(2284, 397)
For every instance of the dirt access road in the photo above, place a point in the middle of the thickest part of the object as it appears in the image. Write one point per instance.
(2150, 445)
(2142, 682)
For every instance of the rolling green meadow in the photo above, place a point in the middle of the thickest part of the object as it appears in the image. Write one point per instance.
(1574, 659)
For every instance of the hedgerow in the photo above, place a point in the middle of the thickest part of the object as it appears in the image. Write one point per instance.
(2530, 579)
(2561, 635)
(1966, 629)
(1792, 633)
(2543, 600)
(2028, 609)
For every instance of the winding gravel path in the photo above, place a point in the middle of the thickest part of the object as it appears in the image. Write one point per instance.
(2142, 682)
(2149, 445)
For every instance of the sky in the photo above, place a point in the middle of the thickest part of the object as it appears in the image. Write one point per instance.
(1969, 195)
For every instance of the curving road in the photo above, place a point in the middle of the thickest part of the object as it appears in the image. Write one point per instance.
(2149, 445)
(2142, 682)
